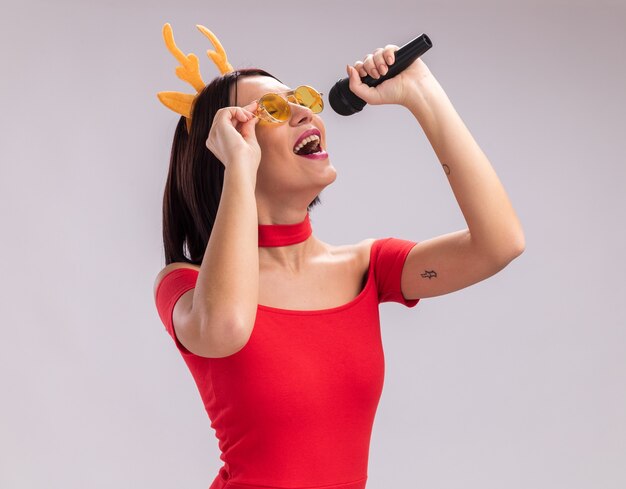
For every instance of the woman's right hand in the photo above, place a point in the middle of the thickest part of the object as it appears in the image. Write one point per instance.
(233, 136)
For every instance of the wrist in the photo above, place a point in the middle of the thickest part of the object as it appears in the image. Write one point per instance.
(420, 93)
(241, 168)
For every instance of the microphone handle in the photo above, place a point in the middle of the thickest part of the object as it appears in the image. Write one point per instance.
(345, 102)
(403, 57)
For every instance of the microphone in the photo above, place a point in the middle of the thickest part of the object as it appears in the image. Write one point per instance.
(344, 102)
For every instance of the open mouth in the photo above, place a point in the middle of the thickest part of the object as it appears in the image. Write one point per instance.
(309, 145)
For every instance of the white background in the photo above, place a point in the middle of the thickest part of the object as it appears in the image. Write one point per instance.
(517, 382)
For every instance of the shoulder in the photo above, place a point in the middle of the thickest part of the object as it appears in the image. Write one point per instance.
(365, 248)
(358, 252)
(366, 252)
(168, 268)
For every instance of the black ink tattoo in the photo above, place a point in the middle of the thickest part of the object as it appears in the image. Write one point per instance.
(446, 168)
(429, 274)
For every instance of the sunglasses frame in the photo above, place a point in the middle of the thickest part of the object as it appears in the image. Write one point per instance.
(269, 118)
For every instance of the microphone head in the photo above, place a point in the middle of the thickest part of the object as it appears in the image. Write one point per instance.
(342, 100)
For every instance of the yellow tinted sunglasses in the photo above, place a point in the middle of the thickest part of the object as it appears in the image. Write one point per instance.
(274, 107)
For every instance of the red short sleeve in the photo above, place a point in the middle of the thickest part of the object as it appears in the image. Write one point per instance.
(169, 290)
(389, 255)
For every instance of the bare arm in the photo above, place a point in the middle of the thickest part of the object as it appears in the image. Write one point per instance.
(494, 235)
(495, 230)
(226, 294)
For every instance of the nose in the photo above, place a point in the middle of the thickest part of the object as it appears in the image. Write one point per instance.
(300, 114)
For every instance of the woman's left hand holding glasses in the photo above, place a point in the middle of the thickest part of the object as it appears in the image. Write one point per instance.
(396, 90)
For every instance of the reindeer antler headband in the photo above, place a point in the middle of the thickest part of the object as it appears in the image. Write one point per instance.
(189, 71)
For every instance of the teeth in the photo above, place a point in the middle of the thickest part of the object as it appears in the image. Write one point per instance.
(304, 141)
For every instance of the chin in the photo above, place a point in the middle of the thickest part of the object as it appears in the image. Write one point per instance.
(330, 174)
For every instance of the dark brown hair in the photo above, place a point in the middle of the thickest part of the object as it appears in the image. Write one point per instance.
(195, 177)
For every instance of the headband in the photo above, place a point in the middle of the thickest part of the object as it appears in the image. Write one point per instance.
(189, 71)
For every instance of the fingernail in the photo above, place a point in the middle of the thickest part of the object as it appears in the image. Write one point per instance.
(389, 59)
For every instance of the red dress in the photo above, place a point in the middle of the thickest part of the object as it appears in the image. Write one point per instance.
(294, 408)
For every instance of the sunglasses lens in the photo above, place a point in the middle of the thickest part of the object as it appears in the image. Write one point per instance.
(276, 106)
(309, 97)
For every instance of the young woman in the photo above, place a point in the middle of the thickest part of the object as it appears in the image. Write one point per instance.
(279, 329)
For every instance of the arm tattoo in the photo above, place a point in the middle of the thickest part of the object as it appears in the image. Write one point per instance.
(429, 274)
